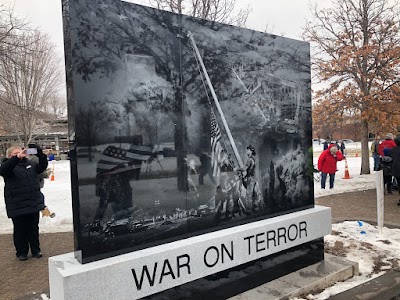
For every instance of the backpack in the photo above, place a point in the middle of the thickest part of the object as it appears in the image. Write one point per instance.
(374, 147)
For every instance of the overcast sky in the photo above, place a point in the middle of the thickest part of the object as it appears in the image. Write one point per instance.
(285, 17)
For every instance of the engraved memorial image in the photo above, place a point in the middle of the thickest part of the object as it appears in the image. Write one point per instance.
(180, 126)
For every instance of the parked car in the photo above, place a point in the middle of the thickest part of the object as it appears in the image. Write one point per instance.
(318, 141)
(347, 141)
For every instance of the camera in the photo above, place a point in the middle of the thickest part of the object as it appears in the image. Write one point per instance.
(32, 149)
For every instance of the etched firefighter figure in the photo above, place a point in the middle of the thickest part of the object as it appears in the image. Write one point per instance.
(192, 189)
(224, 191)
(253, 200)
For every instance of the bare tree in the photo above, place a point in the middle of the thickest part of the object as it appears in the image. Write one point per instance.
(359, 58)
(57, 106)
(10, 30)
(223, 11)
(29, 79)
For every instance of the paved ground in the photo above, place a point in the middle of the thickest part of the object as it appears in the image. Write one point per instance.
(362, 206)
(19, 278)
(26, 280)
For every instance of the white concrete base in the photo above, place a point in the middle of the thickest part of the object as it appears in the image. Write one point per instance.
(148, 271)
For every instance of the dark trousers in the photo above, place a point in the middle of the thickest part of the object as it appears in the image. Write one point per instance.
(387, 180)
(331, 180)
(376, 161)
(398, 184)
(26, 233)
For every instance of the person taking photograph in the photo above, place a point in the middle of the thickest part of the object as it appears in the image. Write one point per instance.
(23, 198)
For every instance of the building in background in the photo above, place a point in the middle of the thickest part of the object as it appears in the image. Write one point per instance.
(49, 134)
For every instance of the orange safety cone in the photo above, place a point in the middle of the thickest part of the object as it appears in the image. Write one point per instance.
(346, 170)
(52, 173)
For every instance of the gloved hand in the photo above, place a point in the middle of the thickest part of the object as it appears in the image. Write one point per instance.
(39, 151)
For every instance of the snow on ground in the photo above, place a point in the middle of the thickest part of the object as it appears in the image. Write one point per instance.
(361, 242)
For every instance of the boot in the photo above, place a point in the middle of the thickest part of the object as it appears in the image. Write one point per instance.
(47, 213)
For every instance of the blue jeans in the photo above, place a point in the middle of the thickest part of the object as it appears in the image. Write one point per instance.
(376, 161)
(331, 180)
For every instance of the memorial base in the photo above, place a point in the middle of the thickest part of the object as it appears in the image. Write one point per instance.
(229, 283)
(222, 263)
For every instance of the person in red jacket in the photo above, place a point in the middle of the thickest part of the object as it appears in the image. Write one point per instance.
(327, 164)
(387, 143)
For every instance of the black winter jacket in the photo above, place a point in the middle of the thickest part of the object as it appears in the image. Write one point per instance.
(394, 153)
(385, 164)
(21, 190)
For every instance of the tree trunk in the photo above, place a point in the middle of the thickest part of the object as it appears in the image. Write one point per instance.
(180, 139)
(180, 148)
(180, 126)
(364, 148)
(90, 153)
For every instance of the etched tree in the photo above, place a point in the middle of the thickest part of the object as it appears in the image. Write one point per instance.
(358, 56)
(107, 34)
(92, 121)
(116, 31)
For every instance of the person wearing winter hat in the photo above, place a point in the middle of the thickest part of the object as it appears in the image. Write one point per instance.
(387, 143)
(327, 164)
(394, 153)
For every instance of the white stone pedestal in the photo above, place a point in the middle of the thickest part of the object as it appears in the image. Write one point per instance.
(148, 271)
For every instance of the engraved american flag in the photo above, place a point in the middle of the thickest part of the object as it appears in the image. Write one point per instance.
(116, 160)
(216, 147)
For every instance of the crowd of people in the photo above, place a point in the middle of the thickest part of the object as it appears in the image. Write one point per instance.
(386, 155)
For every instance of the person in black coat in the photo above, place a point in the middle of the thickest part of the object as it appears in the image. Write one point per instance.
(394, 153)
(385, 164)
(23, 198)
(342, 147)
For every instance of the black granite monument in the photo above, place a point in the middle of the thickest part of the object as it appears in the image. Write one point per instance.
(180, 126)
